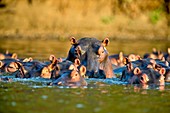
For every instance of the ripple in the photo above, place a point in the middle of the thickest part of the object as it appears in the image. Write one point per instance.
(44, 97)
(97, 109)
(79, 106)
(13, 103)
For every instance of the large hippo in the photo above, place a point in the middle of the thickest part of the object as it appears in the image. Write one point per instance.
(92, 54)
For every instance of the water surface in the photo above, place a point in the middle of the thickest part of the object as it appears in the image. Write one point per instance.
(100, 96)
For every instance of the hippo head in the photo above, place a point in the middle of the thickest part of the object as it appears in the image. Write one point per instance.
(12, 67)
(72, 78)
(102, 53)
(82, 47)
(16, 68)
(148, 76)
(75, 51)
(47, 71)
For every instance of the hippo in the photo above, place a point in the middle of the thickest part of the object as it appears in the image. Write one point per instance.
(117, 59)
(143, 71)
(93, 55)
(73, 77)
(56, 67)
(8, 55)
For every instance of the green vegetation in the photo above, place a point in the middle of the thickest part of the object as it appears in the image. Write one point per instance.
(107, 19)
(155, 15)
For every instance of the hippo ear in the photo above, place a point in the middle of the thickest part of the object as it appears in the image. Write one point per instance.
(30, 59)
(82, 70)
(163, 59)
(154, 50)
(138, 57)
(52, 58)
(105, 42)
(2, 56)
(77, 62)
(14, 56)
(121, 57)
(132, 57)
(72, 67)
(166, 63)
(168, 50)
(136, 71)
(162, 71)
(7, 52)
(73, 40)
(125, 60)
(1, 64)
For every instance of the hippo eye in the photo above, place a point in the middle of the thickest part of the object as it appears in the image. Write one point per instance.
(142, 78)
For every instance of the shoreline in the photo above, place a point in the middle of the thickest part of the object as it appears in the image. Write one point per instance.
(64, 37)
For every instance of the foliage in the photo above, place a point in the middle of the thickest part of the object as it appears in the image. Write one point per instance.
(107, 19)
(155, 15)
(30, 18)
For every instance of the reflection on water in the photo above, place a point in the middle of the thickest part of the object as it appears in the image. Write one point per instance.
(42, 49)
(102, 98)
(101, 95)
(38, 49)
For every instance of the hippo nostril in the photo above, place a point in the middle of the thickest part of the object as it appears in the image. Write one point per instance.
(142, 78)
(76, 74)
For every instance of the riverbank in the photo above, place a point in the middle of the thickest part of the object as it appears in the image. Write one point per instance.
(117, 19)
(49, 35)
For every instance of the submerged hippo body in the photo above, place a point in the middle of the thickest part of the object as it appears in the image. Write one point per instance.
(92, 54)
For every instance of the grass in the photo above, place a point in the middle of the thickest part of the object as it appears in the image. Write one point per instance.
(97, 18)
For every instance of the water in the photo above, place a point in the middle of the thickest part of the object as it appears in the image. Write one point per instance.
(42, 49)
(100, 96)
